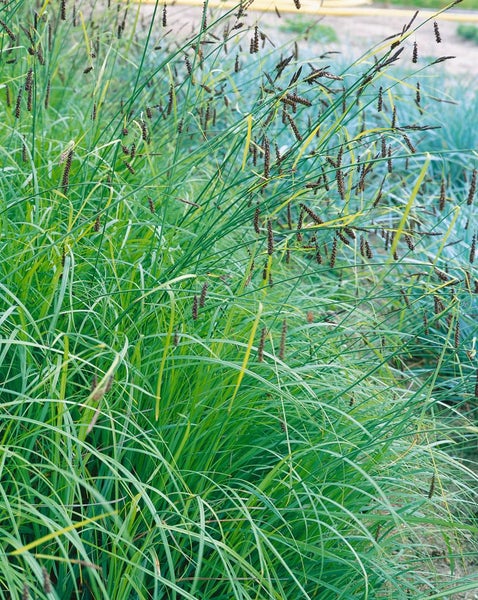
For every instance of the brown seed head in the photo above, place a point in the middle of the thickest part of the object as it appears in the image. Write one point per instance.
(202, 297)
(432, 486)
(270, 238)
(46, 581)
(333, 254)
(18, 104)
(260, 348)
(473, 249)
(472, 190)
(380, 100)
(65, 180)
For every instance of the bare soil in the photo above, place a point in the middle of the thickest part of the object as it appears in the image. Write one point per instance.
(356, 35)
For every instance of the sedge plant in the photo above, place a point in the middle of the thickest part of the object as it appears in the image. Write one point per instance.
(227, 302)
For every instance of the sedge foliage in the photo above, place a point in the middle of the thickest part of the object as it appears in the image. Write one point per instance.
(235, 306)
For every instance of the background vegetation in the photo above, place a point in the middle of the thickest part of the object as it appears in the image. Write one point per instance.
(238, 294)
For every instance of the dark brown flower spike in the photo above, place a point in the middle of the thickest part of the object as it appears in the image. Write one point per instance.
(439, 307)
(473, 249)
(415, 52)
(426, 330)
(130, 167)
(333, 254)
(144, 130)
(257, 213)
(408, 142)
(255, 40)
(170, 99)
(312, 214)
(389, 160)
(204, 16)
(409, 241)
(260, 348)
(65, 180)
(29, 89)
(442, 199)
(270, 238)
(472, 190)
(432, 487)
(8, 31)
(202, 297)
(194, 309)
(47, 94)
(437, 32)
(405, 298)
(267, 158)
(18, 104)
(380, 100)
(294, 127)
(299, 226)
(63, 10)
(418, 97)
(46, 581)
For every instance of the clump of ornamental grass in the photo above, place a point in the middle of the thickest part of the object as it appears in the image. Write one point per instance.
(220, 272)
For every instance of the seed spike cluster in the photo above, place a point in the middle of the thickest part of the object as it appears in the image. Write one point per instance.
(418, 97)
(270, 238)
(380, 100)
(65, 180)
(333, 254)
(442, 199)
(267, 158)
(202, 297)
(472, 190)
(472, 249)
(47, 589)
(18, 104)
(431, 489)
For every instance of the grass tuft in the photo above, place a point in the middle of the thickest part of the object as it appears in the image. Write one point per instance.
(238, 315)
